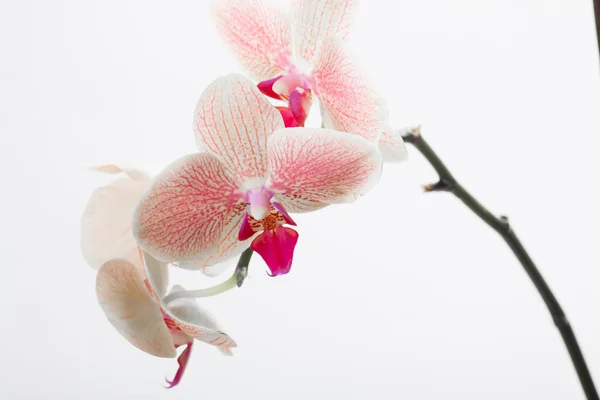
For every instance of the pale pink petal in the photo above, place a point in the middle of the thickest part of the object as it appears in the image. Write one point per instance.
(233, 121)
(184, 213)
(345, 95)
(391, 145)
(106, 222)
(321, 165)
(296, 203)
(226, 250)
(258, 34)
(276, 247)
(133, 173)
(130, 308)
(195, 321)
(315, 20)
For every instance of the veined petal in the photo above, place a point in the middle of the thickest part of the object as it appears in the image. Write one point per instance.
(130, 308)
(391, 145)
(299, 204)
(321, 165)
(258, 34)
(315, 20)
(276, 247)
(345, 95)
(183, 214)
(233, 121)
(106, 222)
(226, 249)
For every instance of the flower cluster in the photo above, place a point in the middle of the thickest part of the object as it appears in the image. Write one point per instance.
(256, 163)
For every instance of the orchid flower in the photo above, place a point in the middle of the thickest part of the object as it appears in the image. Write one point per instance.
(207, 207)
(134, 304)
(295, 55)
(131, 292)
(261, 36)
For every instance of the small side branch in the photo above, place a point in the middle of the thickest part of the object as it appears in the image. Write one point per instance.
(448, 183)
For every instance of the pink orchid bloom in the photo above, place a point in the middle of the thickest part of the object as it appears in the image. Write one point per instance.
(130, 293)
(133, 302)
(207, 207)
(261, 37)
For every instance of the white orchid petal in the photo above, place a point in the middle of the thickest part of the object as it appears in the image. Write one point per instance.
(131, 309)
(315, 20)
(391, 145)
(346, 96)
(183, 215)
(106, 222)
(258, 34)
(321, 165)
(132, 172)
(233, 121)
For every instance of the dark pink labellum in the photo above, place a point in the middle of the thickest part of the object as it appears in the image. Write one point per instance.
(288, 117)
(276, 247)
(300, 102)
(266, 87)
(182, 360)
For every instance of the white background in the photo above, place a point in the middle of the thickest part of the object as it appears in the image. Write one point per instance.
(400, 295)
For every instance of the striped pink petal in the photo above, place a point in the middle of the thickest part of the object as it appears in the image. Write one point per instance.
(258, 34)
(226, 249)
(315, 20)
(345, 95)
(299, 203)
(183, 215)
(106, 222)
(233, 121)
(321, 165)
(391, 145)
(130, 308)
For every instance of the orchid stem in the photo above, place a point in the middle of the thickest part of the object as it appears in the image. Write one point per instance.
(448, 183)
(235, 280)
(597, 17)
(211, 291)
